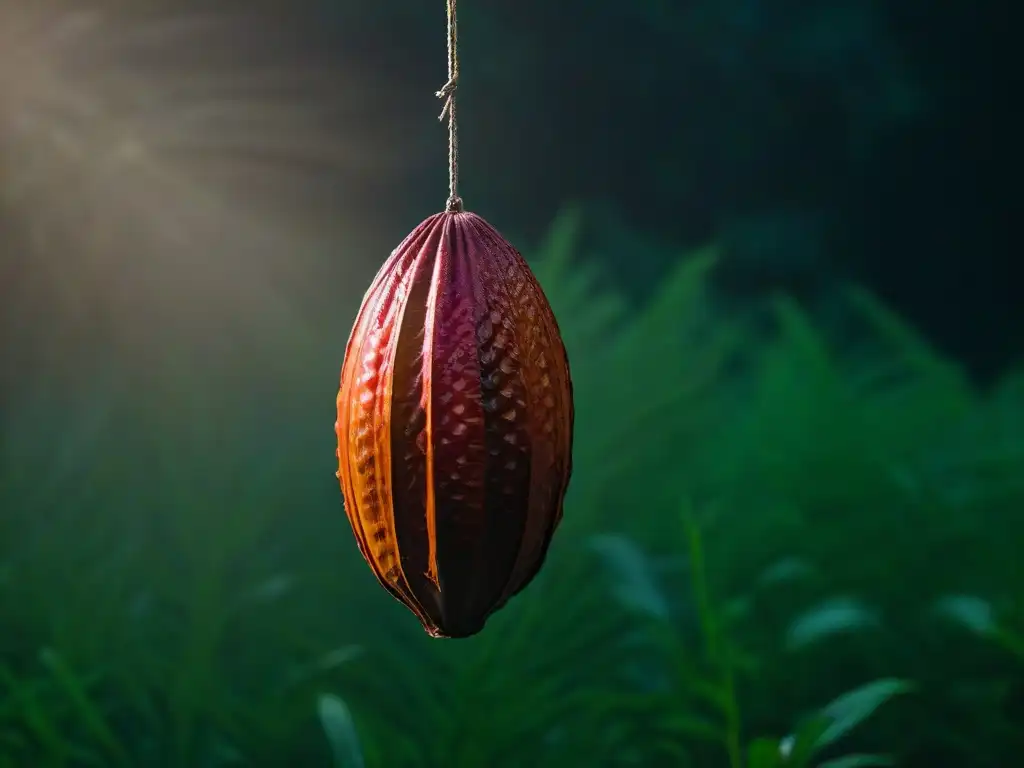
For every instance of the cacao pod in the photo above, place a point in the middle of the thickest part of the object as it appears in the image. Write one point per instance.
(455, 424)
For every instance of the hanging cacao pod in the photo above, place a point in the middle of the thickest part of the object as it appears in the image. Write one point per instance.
(455, 424)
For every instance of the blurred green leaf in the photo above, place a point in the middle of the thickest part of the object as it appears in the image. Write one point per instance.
(633, 581)
(854, 707)
(969, 611)
(340, 729)
(833, 616)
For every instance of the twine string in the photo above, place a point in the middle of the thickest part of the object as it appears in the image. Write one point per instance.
(447, 93)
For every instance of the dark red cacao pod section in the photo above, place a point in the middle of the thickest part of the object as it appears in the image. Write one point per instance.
(455, 424)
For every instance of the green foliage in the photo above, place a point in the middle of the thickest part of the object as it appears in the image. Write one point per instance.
(700, 704)
(178, 585)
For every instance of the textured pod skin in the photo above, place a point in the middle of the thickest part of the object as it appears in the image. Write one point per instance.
(455, 424)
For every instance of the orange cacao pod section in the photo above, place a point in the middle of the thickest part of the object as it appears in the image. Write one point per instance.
(455, 424)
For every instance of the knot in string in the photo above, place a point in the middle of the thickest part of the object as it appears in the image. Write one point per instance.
(447, 93)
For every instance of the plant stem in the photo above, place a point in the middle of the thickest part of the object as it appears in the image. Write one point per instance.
(716, 654)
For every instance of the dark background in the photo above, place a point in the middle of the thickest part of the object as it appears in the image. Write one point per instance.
(848, 139)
